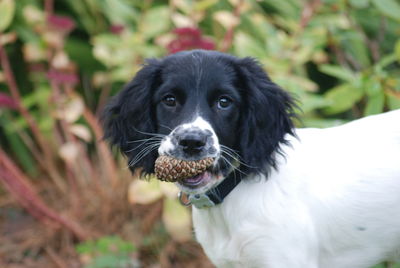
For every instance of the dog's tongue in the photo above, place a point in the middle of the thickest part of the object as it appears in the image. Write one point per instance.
(195, 180)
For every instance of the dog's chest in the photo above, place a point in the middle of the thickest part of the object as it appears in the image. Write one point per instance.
(238, 234)
(223, 243)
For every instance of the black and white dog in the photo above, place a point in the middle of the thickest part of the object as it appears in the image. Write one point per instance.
(276, 196)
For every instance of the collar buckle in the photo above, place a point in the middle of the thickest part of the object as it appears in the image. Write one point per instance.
(201, 200)
(198, 200)
(212, 197)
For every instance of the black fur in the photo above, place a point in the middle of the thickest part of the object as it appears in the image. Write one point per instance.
(254, 127)
(130, 115)
(266, 119)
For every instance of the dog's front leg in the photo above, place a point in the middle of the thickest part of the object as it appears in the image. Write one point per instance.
(253, 248)
(266, 251)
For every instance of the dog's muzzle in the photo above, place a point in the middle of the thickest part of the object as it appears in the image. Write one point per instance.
(193, 141)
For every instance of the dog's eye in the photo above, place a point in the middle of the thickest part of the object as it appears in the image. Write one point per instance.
(224, 102)
(169, 100)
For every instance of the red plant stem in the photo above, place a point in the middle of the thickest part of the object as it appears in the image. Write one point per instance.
(71, 173)
(103, 150)
(18, 184)
(48, 7)
(58, 261)
(227, 41)
(104, 96)
(47, 163)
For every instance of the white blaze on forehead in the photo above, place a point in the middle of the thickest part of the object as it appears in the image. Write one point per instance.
(200, 123)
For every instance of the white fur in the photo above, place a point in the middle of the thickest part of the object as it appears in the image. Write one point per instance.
(165, 146)
(333, 203)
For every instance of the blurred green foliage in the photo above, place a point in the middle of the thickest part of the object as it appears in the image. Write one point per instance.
(341, 60)
(106, 252)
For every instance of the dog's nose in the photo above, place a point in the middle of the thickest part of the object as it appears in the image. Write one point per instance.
(192, 143)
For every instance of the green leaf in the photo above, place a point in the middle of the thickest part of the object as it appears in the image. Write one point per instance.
(112, 50)
(289, 9)
(359, 3)
(310, 102)
(338, 72)
(342, 98)
(397, 50)
(379, 266)
(7, 10)
(119, 12)
(39, 96)
(87, 247)
(322, 123)
(245, 45)
(19, 149)
(393, 102)
(110, 261)
(385, 61)
(81, 53)
(373, 86)
(204, 4)
(375, 104)
(156, 21)
(86, 20)
(106, 245)
(390, 8)
(256, 25)
(391, 265)
(354, 44)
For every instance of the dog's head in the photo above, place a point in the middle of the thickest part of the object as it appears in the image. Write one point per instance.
(198, 104)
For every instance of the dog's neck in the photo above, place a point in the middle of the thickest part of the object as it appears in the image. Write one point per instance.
(215, 195)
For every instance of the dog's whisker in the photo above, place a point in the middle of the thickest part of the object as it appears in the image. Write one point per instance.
(232, 152)
(142, 154)
(167, 127)
(232, 166)
(234, 170)
(144, 150)
(143, 144)
(133, 163)
(235, 158)
(148, 139)
(229, 149)
(148, 133)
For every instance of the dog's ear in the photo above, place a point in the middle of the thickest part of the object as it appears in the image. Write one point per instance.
(128, 118)
(267, 115)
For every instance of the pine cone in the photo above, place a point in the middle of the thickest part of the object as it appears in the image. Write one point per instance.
(172, 169)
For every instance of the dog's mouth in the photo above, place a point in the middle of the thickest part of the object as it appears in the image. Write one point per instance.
(197, 181)
(204, 181)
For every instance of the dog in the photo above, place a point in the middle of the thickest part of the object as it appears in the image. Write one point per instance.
(275, 196)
